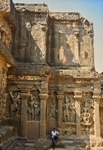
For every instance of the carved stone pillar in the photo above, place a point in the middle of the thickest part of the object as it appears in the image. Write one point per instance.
(43, 98)
(24, 96)
(77, 97)
(60, 97)
(96, 97)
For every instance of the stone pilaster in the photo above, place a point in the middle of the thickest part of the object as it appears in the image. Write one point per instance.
(24, 96)
(43, 98)
(77, 97)
(60, 97)
(96, 97)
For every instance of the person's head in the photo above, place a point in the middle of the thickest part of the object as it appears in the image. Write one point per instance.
(54, 129)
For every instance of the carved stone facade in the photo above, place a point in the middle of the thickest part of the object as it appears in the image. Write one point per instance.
(47, 75)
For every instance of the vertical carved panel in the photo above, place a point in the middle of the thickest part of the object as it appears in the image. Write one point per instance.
(15, 107)
(2, 106)
(68, 127)
(3, 94)
(69, 110)
(3, 81)
(87, 113)
(53, 110)
(33, 106)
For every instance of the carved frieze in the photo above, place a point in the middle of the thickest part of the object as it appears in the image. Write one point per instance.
(44, 74)
(24, 77)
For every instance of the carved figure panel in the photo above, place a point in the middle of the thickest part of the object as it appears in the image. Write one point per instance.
(33, 106)
(15, 108)
(53, 108)
(87, 114)
(52, 111)
(69, 110)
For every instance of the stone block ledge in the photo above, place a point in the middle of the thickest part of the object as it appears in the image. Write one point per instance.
(6, 133)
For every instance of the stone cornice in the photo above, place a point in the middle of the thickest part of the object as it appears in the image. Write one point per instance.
(7, 10)
(37, 8)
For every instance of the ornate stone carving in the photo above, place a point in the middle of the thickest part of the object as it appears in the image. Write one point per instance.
(70, 131)
(33, 107)
(53, 108)
(5, 33)
(87, 116)
(69, 110)
(15, 108)
(46, 73)
(87, 112)
(24, 77)
(2, 106)
(3, 81)
(66, 110)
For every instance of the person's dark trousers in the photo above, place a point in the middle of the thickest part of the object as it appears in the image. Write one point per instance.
(56, 138)
(53, 143)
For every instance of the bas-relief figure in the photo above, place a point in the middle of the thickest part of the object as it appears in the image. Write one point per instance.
(15, 108)
(69, 110)
(87, 115)
(53, 110)
(68, 127)
(55, 52)
(33, 108)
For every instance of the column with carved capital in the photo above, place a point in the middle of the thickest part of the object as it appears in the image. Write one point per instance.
(60, 97)
(43, 97)
(24, 96)
(96, 97)
(78, 97)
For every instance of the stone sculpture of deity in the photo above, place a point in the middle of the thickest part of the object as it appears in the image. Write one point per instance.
(33, 106)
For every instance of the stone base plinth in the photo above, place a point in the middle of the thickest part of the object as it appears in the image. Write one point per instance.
(6, 133)
(96, 143)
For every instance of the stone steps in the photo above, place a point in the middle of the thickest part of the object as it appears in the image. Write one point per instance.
(7, 140)
(68, 148)
(6, 133)
(47, 145)
(62, 144)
